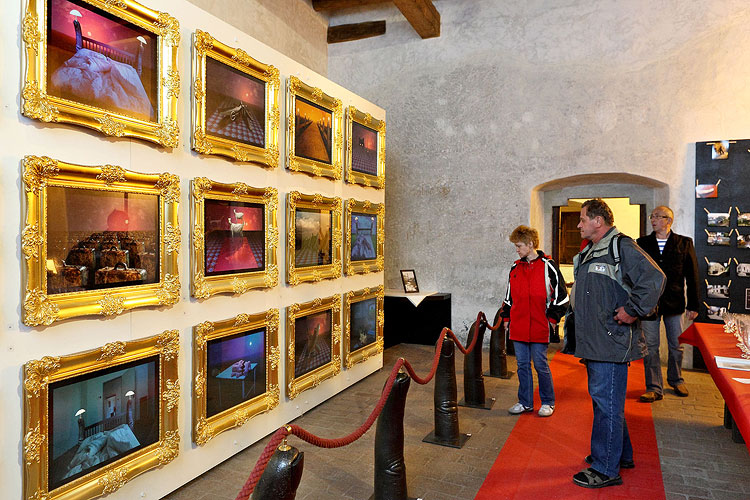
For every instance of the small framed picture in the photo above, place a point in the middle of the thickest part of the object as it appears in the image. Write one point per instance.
(718, 219)
(719, 238)
(409, 279)
(363, 324)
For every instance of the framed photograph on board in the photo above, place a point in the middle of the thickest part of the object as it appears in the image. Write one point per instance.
(364, 238)
(409, 279)
(235, 236)
(235, 103)
(97, 240)
(313, 249)
(363, 324)
(103, 64)
(365, 149)
(314, 131)
(235, 372)
(95, 420)
(313, 332)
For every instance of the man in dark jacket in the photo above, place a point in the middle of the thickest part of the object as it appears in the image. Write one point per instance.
(675, 255)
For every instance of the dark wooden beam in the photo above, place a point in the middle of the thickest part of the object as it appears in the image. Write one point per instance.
(422, 15)
(319, 5)
(349, 32)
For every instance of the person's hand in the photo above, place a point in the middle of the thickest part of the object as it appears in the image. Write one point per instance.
(623, 317)
(691, 315)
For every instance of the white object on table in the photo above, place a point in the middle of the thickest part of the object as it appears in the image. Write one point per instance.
(414, 298)
(732, 363)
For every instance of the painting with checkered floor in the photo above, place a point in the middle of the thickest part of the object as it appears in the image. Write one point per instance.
(235, 237)
(312, 342)
(364, 236)
(312, 237)
(364, 149)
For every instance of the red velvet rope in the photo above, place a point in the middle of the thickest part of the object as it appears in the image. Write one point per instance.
(311, 438)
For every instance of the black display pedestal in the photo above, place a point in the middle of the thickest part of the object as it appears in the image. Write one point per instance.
(415, 325)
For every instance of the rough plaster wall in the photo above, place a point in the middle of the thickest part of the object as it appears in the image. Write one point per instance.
(510, 97)
(290, 26)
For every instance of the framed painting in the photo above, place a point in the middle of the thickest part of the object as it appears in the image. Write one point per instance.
(102, 64)
(313, 250)
(235, 236)
(235, 103)
(409, 280)
(95, 420)
(97, 240)
(314, 131)
(365, 149)
(313, 332)
(235, 372)
(363, 324)
(364, 236)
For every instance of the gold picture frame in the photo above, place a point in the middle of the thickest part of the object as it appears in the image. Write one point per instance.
(47, 434)
(237, 67)
(368, 342)
(225, 415)
(220, 198)
(301, 206)
(43, 177)
(307, 369)
(328, 112)
(364, 165)
(150, 110)
(357, 253)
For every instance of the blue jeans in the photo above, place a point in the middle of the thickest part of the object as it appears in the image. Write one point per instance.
(652, 361)
(537, 350)
(610, 441)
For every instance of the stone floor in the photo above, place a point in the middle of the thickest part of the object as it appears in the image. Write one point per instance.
(698, 458)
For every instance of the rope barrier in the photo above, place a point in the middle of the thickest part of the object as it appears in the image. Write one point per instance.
(282, 433)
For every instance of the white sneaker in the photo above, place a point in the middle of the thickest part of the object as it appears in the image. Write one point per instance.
(546, 410)
(518, 408)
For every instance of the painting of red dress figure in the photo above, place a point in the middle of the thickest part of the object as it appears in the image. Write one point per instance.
(364, 317)
(364, 236)
(100, 239)
(312, 238)
(235, 104)
(235, 237)
(313, 135)
(236, 370)
(312, 342)
(98, 59)
(100, 417)
(364, 149)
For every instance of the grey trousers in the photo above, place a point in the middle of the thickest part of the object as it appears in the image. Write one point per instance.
(652, 361)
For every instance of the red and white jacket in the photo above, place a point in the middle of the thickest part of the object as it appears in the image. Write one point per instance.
(536, 299)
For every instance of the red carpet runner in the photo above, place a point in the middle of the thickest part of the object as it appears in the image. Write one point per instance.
(541, 454)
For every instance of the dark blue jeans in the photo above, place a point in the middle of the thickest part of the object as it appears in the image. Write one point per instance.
(610, 441)
(525, 352)
(652, 361)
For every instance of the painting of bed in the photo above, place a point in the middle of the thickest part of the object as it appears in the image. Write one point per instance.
(312, 342)
(236, 370)
(312, 237)
(100, 417)
(100, 60)
(234, 236)
(364, 316)
(364, 236)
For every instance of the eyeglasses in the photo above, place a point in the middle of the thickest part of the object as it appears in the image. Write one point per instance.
(652, 217)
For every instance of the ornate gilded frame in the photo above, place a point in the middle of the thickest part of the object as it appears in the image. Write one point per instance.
(297, 88)
(206, 428)
(39, 308)
(204, 45)
(39, 374)
(296, 385)
(370, 265)
(295, 275)
(353, 115)
(366, 352)
(204, 286)
(39, 105)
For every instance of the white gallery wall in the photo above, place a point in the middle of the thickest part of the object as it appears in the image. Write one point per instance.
(20, 136)
(513, 96)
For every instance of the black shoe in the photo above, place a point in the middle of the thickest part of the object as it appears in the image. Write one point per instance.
(591, 478)
(624, 464)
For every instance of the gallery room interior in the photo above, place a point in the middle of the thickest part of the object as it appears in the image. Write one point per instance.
(231, 224)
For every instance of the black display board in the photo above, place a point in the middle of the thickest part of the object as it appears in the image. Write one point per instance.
(725, 165)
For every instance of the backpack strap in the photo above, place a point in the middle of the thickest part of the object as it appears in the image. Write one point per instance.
(614, 250)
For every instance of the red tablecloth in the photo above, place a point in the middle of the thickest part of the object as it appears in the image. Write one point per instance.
(712, 341)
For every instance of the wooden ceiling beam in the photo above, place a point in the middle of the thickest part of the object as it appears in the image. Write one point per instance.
(358, 31)
(422, 15)
(319, 5)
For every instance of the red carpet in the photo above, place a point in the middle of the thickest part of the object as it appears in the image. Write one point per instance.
(541, 454)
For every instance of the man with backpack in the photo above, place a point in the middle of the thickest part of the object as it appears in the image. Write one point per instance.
(616, 283)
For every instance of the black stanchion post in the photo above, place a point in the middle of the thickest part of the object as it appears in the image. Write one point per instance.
(390, 469)
(474, 396)
(498, 355)
(282, 475)
(446, 431)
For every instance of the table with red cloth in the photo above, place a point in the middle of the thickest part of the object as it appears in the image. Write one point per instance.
(713, 341)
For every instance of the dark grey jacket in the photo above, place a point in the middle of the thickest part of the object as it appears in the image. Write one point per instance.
(597, 295)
